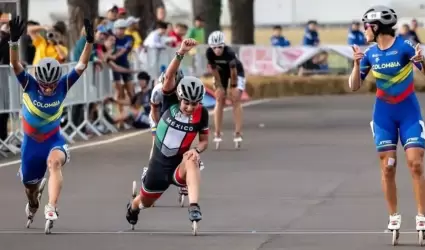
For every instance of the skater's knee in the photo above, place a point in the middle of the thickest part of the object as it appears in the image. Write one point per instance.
(54, 164)
(388, 166)
(415, 167)
(189, 163)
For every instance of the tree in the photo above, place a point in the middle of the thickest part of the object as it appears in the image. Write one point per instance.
(242, 21)
(146, 11)
(78, 10)
(210, 11)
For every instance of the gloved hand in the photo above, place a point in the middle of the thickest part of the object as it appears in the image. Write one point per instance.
(88, 26)
(17, 28)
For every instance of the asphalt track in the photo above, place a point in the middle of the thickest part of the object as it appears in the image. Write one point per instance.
(307, 179)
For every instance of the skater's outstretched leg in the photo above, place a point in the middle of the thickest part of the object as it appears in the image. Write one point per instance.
(388, 165)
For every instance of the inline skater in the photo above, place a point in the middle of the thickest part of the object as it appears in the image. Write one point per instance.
(158, 109)
(396, 112)
(43, 146)
(226, 66)
(172, 161)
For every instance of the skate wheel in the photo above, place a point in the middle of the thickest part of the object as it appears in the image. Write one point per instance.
(194, 228)
(132, 227)
(217, 146)
(181, 200)
(396, 234)
(48, 227)
(237, 145)
(421, 238)
(134, 190)
(29, 223)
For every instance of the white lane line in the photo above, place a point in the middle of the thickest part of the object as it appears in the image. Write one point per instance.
(129, 135)
(215, 232)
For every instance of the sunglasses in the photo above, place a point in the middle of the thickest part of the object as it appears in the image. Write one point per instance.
(193, 104)
(368, 25)
(217, 47)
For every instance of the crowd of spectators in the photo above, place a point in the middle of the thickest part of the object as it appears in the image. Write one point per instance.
(118, 45)
(355, 36)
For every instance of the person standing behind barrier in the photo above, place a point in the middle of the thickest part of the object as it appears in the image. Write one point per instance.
(50, 45)
(311, 36)
(43, 146)
(355, 35)
(123, 46)
(133, 31)
(277, 39)
(4, 87)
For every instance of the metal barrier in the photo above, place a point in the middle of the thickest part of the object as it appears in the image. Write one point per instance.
(91, 88)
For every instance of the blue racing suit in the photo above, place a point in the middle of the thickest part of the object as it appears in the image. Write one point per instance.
(396, 112)
(41, 116)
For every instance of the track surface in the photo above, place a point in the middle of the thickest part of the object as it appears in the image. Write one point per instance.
(308, 180)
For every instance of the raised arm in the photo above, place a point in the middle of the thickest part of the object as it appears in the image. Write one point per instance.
(170, 75)
(17, 28)
(85, 56)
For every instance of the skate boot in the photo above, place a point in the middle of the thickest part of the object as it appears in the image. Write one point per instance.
(217, 140)
(420, 227)
(51, 215)
(31, 210)
(237, 140)
(195, 216)
(182, 193)
(32, 207)
(132, 216)
(394, 227)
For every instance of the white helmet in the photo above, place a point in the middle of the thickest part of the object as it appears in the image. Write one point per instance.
(191, 89)
(179, 76)
(48, 71)
(216, 38)
(120, 24)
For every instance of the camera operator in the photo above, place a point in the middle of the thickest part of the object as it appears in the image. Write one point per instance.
(48, 42)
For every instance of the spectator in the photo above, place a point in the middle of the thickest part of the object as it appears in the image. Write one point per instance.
(177, 34)
(197, 31)
(277, 39)
(48, 45)
(122, 13)
(413, 34)
(316, 65)
(139, 104)
(406, 34)
(133, 31)
(311, 36)
(30, 49)
(4, 60)
(4, 48)
(355, 35)
(100, 20)
(111, 16)
(157, 38)
(161, 15)
(123, 46)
